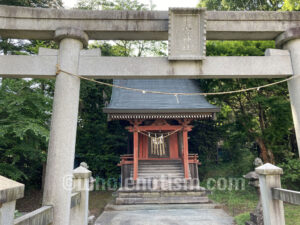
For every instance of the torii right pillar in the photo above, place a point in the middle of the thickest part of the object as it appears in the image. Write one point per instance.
(290, 40)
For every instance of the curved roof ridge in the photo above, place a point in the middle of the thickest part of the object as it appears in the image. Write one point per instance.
(128, 101)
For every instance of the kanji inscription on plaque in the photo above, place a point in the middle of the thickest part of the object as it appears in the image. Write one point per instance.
(187, 34)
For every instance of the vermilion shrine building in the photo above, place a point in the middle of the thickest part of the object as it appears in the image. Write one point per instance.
(160, 124)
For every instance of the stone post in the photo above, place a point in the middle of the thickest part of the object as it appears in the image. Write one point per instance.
(290, 40)
(10, 191)
(61, 150)
(269, 177)
(79, 214)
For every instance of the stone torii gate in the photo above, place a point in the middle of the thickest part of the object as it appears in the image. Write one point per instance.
(73, 28)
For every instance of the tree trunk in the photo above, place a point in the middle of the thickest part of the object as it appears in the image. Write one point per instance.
(266, 154)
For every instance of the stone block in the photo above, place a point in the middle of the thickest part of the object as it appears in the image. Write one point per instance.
(187, 34)
(269, 169)
(10, 190)
(270, 52)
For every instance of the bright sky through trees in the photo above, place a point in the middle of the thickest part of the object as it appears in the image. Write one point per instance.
(160, 4)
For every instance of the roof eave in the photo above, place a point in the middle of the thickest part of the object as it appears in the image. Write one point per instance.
(157, 111)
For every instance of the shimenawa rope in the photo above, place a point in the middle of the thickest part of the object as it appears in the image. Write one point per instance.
(174, 93)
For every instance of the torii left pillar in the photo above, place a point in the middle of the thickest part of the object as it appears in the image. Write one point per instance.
(61, 150)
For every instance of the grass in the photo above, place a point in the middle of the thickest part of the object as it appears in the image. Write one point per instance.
(98, 200)
(242, 218)
(240, 203)
(236, 202)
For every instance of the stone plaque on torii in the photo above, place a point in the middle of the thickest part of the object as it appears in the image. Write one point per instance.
(187, 34)
(73, 29)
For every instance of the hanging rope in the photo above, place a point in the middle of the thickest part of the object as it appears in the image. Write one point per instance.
(150, 134)
(157, 141)
(58, 70)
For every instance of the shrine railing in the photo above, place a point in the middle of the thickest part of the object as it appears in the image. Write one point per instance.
(194, 158)
(10, 191)
(273, 196)
(126, 159)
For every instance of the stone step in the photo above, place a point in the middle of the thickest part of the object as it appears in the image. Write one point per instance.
(113, 207)
(153, 179)
(162, 200)
(151, 194)
(159, 161)
(170, 187)
(160, 164)
(161, 169)
(153, 184)
(150, 179)
(161, 174)
(170, 179)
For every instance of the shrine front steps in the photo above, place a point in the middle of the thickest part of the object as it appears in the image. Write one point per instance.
(158, 168)
(168, 183)
(133, 197)
(114, 207)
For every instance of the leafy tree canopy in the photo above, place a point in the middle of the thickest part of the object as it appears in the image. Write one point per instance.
(33, 3)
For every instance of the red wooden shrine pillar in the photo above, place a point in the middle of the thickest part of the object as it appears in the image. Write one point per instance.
(135, 130)
(185, 154)
(135, 153)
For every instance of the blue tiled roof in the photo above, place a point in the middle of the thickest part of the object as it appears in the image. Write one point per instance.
(126, 101)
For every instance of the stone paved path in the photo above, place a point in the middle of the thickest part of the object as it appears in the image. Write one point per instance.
(164, 215)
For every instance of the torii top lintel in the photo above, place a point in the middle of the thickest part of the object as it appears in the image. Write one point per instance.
(37, 23)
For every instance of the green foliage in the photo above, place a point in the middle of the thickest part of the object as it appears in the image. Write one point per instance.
(33, 3)
(238, 5)
(25, 107)
(252, 116)
(291, 5)
(17, 214)
(99, 143)
(292, 214)
(237, 201)
(291, 176)
(242, 218)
